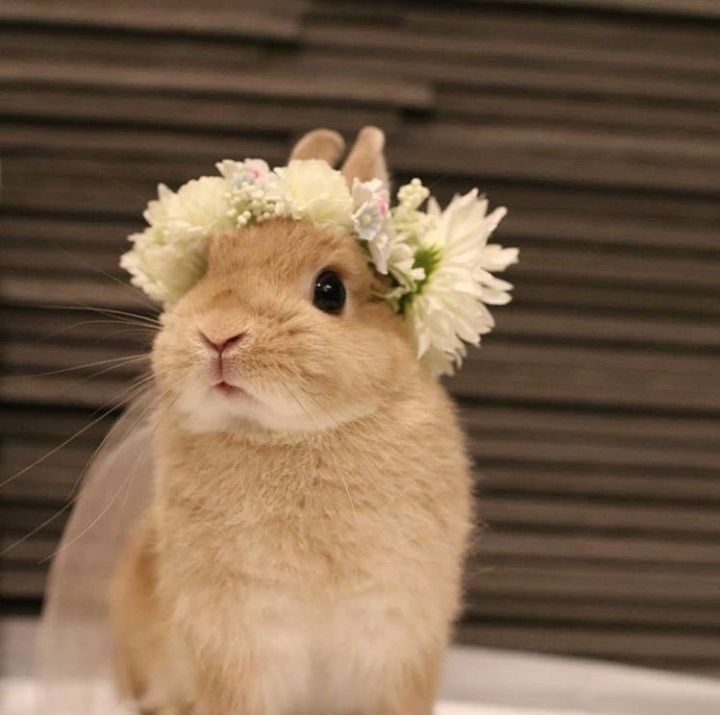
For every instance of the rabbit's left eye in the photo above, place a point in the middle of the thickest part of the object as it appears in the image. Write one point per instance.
(329, 293)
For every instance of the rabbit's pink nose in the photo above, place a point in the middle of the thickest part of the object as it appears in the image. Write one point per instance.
(221, 345)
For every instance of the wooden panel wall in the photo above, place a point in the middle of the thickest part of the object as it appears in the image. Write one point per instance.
(593, 409)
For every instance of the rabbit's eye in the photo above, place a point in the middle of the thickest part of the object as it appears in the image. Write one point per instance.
(329, 292)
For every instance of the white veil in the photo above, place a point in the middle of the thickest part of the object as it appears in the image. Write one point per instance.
(74, 666)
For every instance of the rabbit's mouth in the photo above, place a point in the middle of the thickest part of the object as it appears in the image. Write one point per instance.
(229, 389)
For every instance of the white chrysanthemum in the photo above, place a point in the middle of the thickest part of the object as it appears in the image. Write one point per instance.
(447, 308)
(312, 191)
(198, 208)
(168, 257)
(165, 271)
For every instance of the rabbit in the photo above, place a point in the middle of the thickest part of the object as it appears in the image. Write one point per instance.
(303, 551)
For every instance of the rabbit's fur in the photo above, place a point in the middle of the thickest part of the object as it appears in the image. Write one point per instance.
(303, 552)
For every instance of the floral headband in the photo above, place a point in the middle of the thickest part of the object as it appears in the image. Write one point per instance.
(434, 265)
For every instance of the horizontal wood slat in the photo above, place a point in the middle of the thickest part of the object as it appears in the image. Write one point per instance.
(571, 549)
(588, 112)
(698, 91)
(594, 643)
(591, 411)
(277, 83)
(486, 49)
(182, 111)
(617, 583)
(593, 30)
(564, 613)
(180, 17)
(695, 9)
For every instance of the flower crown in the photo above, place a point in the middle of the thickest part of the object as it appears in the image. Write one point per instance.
(434, 265)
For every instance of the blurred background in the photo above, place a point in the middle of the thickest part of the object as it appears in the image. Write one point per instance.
(592, 409)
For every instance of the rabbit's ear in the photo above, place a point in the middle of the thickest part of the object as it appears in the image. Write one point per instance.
(319, 144)
(367, 158)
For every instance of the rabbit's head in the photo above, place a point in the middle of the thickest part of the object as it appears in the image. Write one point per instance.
(284, 330)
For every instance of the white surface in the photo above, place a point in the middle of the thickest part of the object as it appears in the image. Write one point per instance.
(17, 698)
(497, 682)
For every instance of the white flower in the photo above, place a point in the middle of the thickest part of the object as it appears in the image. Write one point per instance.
(367, 221)
(198, 208)
(251, 171)
(369, 198)
(168, 257)
(164, 270)
(406, 274)
(409, 221)
(407, 224)
(250, 188)
(312, 191)
(371, 220)
(447, 308)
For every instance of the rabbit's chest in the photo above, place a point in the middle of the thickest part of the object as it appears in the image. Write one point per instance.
(287, 519)
(302, 526)
(320, 534)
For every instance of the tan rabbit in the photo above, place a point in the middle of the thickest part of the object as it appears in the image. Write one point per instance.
(304, 548)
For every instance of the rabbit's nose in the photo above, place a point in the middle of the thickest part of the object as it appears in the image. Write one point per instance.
(221, 345)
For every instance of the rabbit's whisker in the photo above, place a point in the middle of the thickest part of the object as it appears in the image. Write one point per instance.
(37, 529)
(115, 362)
(114, 321)
(76, 257)
(106, 410)
(108, 312)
